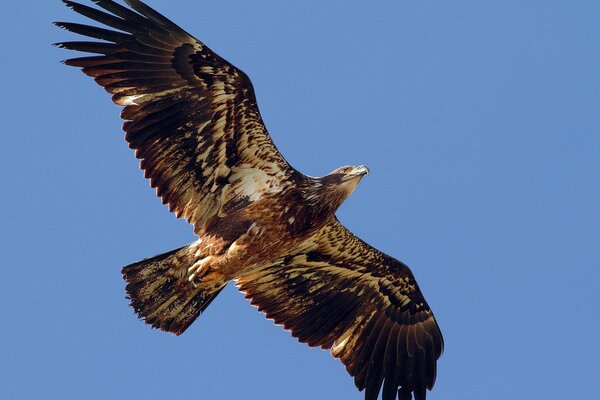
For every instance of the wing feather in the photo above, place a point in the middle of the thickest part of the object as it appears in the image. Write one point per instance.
(341, 294)
(190, 116)
(391, 372)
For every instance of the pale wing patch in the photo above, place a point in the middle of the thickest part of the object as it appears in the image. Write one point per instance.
(248, 183)
(129, 100)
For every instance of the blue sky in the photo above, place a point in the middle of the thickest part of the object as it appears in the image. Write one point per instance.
(478, 119)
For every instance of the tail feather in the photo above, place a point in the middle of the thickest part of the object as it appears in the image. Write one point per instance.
(161, 294)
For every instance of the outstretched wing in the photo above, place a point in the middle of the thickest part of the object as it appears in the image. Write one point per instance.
(191, 116)
(338, 292)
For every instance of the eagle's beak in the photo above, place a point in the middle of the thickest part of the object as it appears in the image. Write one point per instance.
(361, 170)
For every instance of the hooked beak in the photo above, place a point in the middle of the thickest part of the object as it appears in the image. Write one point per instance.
(361, 170)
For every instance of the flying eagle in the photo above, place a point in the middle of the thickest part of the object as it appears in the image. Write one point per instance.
(193, 121)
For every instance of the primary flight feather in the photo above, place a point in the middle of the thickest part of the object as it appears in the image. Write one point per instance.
(193, 121)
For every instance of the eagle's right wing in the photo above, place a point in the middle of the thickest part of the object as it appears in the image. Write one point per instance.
(191, 116)
(337, 292)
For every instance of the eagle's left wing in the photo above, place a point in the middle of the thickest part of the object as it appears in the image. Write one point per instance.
(338, 292)
(191, 116)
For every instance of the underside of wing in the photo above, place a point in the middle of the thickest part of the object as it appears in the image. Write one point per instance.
(337, 292)
(191, 116)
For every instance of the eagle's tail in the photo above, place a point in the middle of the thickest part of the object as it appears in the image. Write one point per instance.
(161, 293)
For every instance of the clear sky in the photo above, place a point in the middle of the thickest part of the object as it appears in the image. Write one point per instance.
(478, 119)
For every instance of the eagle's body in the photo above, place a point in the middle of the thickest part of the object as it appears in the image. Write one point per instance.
(193, 121)
(253, 234)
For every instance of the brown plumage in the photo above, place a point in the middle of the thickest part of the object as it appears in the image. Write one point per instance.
(193, 121)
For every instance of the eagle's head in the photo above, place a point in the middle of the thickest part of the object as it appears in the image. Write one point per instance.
(340, 183)
(348, 173)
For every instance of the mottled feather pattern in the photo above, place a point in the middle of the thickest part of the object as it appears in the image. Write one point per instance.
(190, 115)
(341, 293)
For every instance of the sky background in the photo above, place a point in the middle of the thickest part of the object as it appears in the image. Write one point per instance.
(478, 119)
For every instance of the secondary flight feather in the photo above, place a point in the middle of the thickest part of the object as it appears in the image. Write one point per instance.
(193, 121)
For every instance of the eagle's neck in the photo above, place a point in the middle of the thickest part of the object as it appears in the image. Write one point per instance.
(325, 195)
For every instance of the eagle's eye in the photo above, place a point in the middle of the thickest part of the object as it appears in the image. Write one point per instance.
(345, 170)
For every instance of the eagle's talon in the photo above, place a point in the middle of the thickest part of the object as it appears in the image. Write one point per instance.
(200, 269)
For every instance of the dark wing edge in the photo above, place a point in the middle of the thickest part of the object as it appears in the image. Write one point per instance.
(191, 116)
(339, 293)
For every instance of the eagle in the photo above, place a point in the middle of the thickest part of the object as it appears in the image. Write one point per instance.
(193, 121)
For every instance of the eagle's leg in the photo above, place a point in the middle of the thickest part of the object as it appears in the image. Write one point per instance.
(204, 271)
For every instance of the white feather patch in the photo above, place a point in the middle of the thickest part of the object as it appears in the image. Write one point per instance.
(250, 183)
